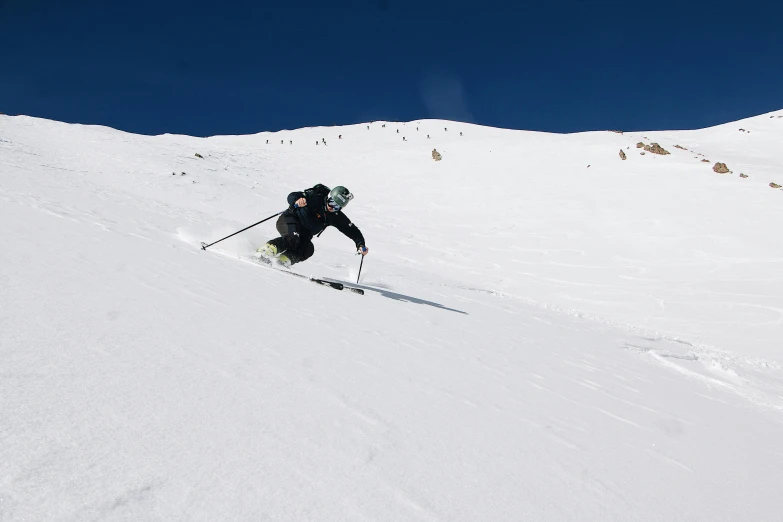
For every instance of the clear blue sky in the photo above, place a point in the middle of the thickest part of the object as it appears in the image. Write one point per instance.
(236, 66)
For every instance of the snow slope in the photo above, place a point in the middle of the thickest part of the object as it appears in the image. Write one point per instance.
(539, 339)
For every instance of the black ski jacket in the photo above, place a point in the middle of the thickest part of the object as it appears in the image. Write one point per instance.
(315, 218)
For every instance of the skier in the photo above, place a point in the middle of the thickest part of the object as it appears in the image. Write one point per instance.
(308, 214)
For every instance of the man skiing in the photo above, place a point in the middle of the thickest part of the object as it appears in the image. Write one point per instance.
(308, 214)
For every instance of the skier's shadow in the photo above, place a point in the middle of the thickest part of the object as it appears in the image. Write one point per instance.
(400, 297)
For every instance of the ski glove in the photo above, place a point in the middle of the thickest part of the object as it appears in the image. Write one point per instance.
(364, 250)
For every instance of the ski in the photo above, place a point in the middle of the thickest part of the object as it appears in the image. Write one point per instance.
(268, 263)
(346, 286)
(324, 282)
(336, 286)
(263, 261)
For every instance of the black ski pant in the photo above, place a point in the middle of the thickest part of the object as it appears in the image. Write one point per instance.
(294, 240)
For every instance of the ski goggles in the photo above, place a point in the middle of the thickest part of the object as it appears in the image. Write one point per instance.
(332, 204)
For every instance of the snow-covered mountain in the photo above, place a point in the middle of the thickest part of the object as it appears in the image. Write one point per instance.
(548, 331)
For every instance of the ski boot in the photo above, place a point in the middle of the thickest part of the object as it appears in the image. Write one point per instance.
(268, 254)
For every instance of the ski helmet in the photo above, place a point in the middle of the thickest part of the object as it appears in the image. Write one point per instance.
(339, 197)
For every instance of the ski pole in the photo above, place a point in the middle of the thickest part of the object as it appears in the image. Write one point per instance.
(205, 246)
(360, 270)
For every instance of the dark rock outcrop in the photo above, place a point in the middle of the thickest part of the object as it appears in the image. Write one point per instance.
(720, 168)
(656, 149)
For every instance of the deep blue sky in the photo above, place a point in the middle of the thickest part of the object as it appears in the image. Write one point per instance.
(236, 66)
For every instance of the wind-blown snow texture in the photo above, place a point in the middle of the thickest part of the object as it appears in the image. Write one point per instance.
(539, 339)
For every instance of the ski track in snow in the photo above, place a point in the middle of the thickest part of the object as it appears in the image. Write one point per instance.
(601, 347)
